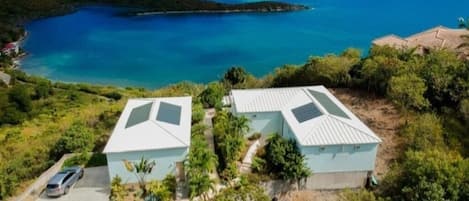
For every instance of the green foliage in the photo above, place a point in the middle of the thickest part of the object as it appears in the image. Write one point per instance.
(87, 160)
(118, 191)
(464, 109)
(76, 139)
(198, 113)
(200, 162)
(284, 160)
(20, 96)
(158, 191)
(229, 132)
(244, 190)
(255, 136)
(141, 169)
(43, 89)
(408, 91)
(113, 95)
(431, 175)
(170, 183)
(425, 132)
(359, 195)
(235, 76)
(212, 95)
(446, 77)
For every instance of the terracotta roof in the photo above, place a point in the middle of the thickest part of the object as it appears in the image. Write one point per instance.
(438, 37)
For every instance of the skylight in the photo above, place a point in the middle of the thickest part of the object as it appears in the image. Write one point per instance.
(306, 112)
(169, 113)
(138, 115)
(328, 104)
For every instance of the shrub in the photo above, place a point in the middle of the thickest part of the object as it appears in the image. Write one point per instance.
(198, 113)
(118, 191)
(113, 95)
(76, 139)
(255, 136)
(425, 132)
(212, 95)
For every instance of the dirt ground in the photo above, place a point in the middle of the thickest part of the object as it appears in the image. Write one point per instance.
(383, 118)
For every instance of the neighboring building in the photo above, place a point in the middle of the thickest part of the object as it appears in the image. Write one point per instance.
(339, 148)
(436, 38)
(5, 78)
(11, 48)
(157, 129)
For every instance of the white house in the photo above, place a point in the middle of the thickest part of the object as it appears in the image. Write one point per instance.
(157, 129)
(339, 148)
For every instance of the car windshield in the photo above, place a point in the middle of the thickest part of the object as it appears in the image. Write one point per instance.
(52, 186)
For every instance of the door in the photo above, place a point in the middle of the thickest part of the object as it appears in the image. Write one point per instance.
(180, 173)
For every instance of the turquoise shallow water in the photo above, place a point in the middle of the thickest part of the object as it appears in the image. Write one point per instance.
(93, 45)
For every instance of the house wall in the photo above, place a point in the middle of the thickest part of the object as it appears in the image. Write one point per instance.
(165, 163)
(338, 158)
(264, 122)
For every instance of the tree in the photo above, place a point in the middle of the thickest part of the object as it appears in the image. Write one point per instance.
(425, 132)
(235, 76)
(464, 109)
(377, 71)
(284, 159)
(407, 91)
(431, 175)
(141, 169)
(463, 24)
(43, 89)
(330, 70)
(76, 139)
(20, 96)
(212, 95)
(199, 185)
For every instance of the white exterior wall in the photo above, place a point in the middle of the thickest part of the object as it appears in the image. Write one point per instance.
(340, 158)
(165, 163)
(264, 122)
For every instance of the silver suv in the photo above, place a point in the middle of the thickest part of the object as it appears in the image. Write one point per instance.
(61, 183)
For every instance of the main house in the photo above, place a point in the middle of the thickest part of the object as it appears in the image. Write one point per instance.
(157, 129)
(439, 37)
(339, 148)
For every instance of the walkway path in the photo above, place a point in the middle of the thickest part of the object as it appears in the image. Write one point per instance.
(209, 114)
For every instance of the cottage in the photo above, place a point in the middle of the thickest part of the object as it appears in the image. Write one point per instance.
(339, 148)
(157, 129)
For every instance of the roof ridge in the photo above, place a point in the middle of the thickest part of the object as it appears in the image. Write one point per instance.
(169, 133)
(355, 128)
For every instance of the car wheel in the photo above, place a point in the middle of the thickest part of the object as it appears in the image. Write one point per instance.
(81, 175)
(66, 190)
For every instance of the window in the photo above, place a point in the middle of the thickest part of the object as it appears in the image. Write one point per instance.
(356, 147)
(322, 148)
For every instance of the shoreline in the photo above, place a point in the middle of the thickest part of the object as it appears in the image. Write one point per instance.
(149, 13)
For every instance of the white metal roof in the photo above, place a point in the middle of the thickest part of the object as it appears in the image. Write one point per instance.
(151, 134)
(326, 129)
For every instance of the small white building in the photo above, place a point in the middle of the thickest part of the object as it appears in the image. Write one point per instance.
(339, 148)
(157, 129)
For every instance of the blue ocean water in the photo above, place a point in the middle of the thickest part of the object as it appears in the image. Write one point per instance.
(94, 45)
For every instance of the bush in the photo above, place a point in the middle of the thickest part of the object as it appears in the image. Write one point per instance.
(113, 95)
(425, 132)
(198, 113)
(212, 96)
(76, 139)
(358, 195)
(118, 191)
(255, 136)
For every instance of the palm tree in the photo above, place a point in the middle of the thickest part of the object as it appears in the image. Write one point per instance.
(200, 156)
(200, 184)
(141, 169)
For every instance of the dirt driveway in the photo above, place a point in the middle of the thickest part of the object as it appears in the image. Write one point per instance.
(94, 186)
